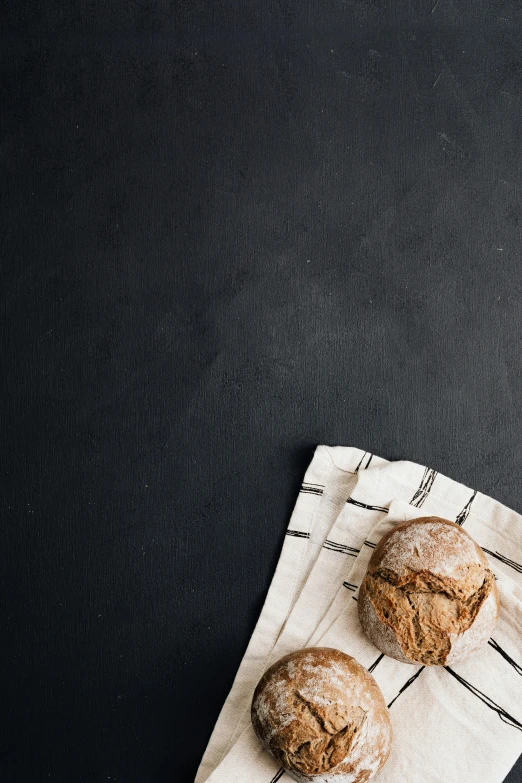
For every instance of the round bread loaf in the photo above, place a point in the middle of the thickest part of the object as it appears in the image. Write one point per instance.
(322, 716)
(428, 595)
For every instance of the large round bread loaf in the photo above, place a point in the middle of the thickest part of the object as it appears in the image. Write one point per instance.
(428, 595)
(323, 717)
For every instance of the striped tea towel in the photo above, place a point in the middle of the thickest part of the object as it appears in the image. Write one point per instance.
(458, 724)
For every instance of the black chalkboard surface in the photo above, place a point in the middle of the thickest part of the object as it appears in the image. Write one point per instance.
(230, 231)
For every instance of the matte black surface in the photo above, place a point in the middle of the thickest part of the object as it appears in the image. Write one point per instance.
(230, 232)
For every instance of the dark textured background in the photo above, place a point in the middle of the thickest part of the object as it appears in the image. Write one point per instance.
(230, 232)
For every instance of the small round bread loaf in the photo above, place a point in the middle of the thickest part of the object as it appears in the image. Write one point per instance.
(428, 595)
(323, 717)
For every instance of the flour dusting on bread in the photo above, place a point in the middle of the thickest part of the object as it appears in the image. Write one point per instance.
(428, 596)
(323, 717)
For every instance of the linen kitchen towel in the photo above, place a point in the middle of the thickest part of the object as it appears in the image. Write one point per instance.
(455, 724)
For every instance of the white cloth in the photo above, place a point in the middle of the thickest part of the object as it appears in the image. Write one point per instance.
(459, 724)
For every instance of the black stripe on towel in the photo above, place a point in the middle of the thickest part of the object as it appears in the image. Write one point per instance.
(366, 506)
(407, 685)
(297, 534)
(350, 586)
(425, 487)
(312, 489)
(377, 661)
(463, 515)
(343, 548)
(496, 646)
(360, 463)
(503, 715)
(503, 559)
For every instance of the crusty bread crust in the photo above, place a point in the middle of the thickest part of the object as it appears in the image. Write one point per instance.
(428, 596)
(323, 717)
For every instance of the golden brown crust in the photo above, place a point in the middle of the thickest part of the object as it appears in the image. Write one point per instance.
(320, 713)
(428, 595)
